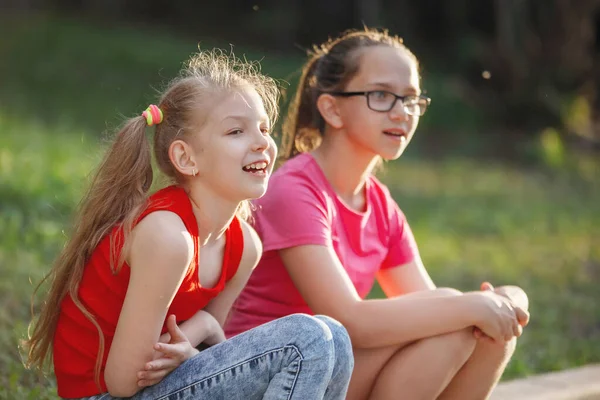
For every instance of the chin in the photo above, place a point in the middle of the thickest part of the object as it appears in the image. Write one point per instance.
(393, 156)
(255, 192)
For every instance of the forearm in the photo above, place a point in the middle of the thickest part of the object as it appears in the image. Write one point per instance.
(199, 328)
(383, 322)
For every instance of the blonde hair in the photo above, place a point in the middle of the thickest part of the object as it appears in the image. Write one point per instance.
(120, 187)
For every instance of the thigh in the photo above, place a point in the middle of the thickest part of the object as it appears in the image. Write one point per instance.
(368, 364)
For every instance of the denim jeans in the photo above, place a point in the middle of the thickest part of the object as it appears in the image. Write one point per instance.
(298, 357)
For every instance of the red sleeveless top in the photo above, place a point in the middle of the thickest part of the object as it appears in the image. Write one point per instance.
(76, 341)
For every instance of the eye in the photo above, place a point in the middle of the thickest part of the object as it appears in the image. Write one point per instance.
(380, 94)
(236, 131)
(265, 130)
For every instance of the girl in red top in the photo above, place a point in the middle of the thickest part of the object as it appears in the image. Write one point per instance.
(144, 280)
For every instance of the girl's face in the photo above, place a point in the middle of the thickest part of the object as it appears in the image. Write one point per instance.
(383, 133)
(234, 150)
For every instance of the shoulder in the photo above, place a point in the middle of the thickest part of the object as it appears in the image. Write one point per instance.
(381, 192)
(299, 179)
(252, 246)
(161, 235)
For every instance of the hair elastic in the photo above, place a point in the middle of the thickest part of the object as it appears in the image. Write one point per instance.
(153, 115)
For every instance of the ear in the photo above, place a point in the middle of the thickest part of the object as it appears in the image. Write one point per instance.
(327, 106)
(183, 158)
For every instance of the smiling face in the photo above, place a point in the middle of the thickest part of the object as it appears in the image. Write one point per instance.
(233, 153)
(380, 133)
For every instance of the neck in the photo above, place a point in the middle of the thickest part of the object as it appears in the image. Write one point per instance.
(345, 165)
(212, 212)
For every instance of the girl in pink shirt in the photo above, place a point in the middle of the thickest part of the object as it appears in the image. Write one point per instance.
(330, 228)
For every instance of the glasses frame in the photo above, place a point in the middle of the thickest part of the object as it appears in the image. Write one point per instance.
(396, 98)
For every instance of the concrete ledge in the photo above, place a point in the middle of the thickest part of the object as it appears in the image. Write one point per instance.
(575, 384)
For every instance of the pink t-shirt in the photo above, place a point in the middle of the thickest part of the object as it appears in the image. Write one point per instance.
(301, 208)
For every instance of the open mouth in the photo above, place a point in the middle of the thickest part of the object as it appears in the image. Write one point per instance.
(397, 134)
(257, 168)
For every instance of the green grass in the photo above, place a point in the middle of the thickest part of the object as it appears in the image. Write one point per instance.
(65, 84)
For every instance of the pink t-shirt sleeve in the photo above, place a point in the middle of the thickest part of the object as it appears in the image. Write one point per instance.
(292, 213)
(403, 247)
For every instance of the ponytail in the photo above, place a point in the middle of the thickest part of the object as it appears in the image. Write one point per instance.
(301, 128)
(116, 196)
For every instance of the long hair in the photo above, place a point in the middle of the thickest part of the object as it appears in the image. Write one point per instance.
(329, 68)
(119, 190)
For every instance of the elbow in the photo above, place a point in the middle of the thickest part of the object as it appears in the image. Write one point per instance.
(119, 386)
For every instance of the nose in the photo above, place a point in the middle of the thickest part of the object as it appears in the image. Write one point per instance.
(398, 112)
(261, 141)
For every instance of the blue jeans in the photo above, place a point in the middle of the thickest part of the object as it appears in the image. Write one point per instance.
(295, 357)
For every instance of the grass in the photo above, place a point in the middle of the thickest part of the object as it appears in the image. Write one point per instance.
(474, 220)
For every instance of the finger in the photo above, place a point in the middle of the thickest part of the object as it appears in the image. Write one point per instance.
(161, 363)
(170, 350)
(145, 383)
(176, 334)
(517, 329)
(509, 332)
(522, 316)
(153, 375)
(486, 286)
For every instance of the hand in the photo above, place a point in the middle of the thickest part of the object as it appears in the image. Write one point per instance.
(496, 316)
(169, 355)
(518, 297)
(201, 328)
(478, 333)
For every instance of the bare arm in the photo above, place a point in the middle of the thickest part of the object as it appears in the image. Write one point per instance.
(161, 251)
(219, 307)
(327, 289)
(411, 277)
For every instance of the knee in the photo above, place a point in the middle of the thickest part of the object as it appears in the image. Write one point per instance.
(344, 355)
(310, 331)
(341, 339)
(460, 344)
(338, 331)
(497, 353)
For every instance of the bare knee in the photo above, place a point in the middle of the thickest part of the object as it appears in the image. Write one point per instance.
(459, 344)
(497, 353)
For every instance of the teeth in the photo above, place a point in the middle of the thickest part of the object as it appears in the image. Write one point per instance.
(259, 165)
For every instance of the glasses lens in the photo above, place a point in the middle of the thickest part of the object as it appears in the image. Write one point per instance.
(415, 105)
(380, 100)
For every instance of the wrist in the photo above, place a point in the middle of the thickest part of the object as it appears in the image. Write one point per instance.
(472, 308)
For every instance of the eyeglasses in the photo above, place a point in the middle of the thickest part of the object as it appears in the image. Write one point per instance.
(384, 101)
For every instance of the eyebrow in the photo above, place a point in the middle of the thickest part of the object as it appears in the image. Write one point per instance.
(244, 118)
(390, 87)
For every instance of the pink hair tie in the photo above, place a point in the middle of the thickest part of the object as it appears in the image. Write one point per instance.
(153, 115)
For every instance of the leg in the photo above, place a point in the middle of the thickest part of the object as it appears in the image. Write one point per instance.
(370, 364)
(481, 373)
(289, 358)
(423, 369)
(344, 359)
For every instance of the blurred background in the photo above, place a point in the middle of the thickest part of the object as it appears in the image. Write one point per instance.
(501, 182)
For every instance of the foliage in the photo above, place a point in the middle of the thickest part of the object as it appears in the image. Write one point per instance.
(474, 220)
